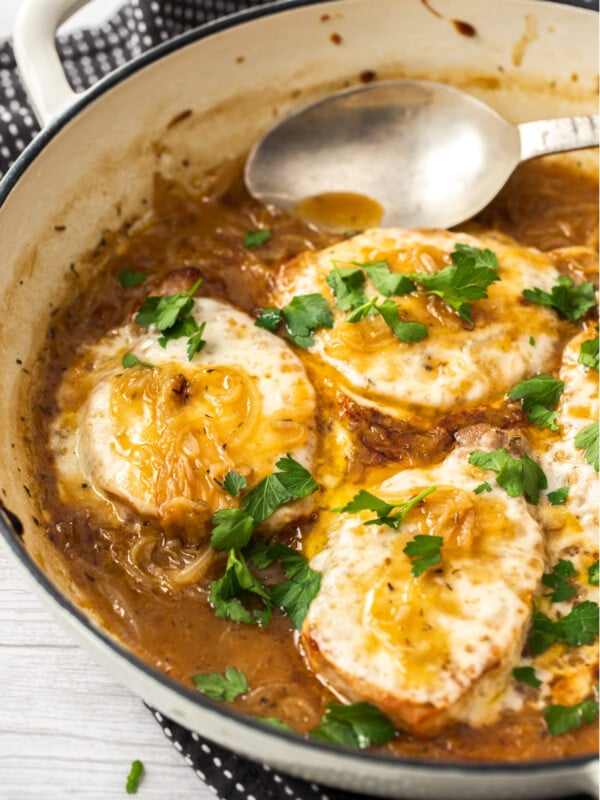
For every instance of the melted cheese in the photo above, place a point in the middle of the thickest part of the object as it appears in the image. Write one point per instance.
(159, 441)
(441, 645)
(452, 365)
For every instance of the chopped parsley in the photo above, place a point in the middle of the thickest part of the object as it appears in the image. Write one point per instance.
(239, 584)
(518, 476)
(225, 687)
(527, 675)
(347, 285)
(131, 360)
(558, 496)
(256, 237)
(539, 397)
(407, 332)
(558, 581)
(269, 318)
(366, 310)
(386, 281)
(365, 501)
(234, 483)
(570, 301)
(532, 341)
(468, 278)
(587, 439)
(128, 278)
(561, 719)
(232, 529)
(424, 552)
(134, 777)
(357, 725)
(173, 318)
(593, 574)
(588, 353)
(579, 626)
(302, 584)
(303, 315)
(292, 482)
(274, 722)
(483, 487)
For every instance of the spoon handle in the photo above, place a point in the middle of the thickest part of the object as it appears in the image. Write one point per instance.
(556, 135)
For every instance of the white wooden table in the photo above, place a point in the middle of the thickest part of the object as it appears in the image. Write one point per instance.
(67, 730)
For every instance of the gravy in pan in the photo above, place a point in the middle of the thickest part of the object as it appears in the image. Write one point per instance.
(146, 582)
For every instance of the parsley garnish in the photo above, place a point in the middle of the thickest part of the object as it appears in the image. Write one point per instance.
(256, 238)
(357, 725)
(558, 581)
(131, 360)
(225, 687)
(518, 476)
(234, 483)
(366, 310)
(348, 287)
(365, 501)
(269, 318)
(425, 552)
(569, 300)
(128, 278)
(587, 439)
(232, 529)
(593, 574)
(468, 278)
(558, 496)
(483, 487)
(134, 777)
(588, 353)
(532, 341)
(540, 396)
(239, 583)
(172, 316)
(578, 627)
(292, 482)
(407, 332)
(295, 594)
(275, 723)
(561, 719)
(386, 281)
(303, 315)
(527, 675)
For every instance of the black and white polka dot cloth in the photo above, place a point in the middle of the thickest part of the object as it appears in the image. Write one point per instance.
(87, 56)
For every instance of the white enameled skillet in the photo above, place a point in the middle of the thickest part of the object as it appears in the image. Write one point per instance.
(529, 59)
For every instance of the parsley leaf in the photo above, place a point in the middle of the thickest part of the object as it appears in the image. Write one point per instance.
(291, 483)
(356, 725)
(593, 574)
(569, 300)
(128, 278)
(239, 583)
(348, 287)
(225, 687)
(134, 777)
(587, 439)
(425, 552)
(365, 501)
(407, 332)
(558, 496)
(483, 487)
(172, 316)
(232, 529)
(234, 483)
(303, 315)
(539, 395)
(561, 719)
(256, 238)
(518, 476)
(468, 278)
(131, 360)
(386, 281)
(360, 312)
(578, 627)
(588, 353)
(275, 723)
(527, 675)
(269, 318)
(557, 580)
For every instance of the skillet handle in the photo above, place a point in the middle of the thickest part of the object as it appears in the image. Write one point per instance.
(35, 52)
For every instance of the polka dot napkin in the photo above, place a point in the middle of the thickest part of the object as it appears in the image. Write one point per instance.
(87, 55)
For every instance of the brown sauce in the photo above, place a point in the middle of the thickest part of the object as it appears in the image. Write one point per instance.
(545, 205)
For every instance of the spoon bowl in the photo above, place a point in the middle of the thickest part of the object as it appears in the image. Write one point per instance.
(425, 154)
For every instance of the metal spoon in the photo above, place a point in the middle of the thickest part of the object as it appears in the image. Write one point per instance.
(429, 154)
